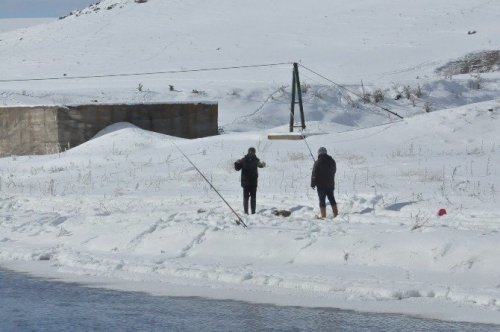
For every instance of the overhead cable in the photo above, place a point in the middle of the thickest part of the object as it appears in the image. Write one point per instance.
(144, 73)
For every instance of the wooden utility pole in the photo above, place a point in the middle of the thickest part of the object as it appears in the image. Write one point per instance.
(296, 90)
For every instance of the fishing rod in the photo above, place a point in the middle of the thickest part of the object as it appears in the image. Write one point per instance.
(308, 148)
(239, 221)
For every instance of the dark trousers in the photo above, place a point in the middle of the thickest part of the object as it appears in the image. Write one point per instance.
(323, 194)
(249, 192)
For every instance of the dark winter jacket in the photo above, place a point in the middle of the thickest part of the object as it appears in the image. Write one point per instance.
(323, 174)
(248, 166)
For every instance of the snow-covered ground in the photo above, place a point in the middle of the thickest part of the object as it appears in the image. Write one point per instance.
(126, 206)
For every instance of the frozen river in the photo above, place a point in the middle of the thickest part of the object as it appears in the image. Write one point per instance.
(34, 304)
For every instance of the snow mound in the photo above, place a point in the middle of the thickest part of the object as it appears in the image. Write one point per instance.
(123, 138)
(115, 127)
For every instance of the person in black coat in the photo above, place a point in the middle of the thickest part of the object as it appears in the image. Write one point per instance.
(323, 177)
(249, 175)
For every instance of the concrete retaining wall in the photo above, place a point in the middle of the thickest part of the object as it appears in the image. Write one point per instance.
(28, 130)
(50, 129)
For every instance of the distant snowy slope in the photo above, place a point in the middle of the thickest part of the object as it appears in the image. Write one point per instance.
(392, 49)
(349, 41)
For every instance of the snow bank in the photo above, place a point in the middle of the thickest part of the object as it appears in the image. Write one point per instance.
(126, 205)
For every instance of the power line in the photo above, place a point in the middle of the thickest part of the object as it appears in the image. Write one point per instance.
(144, 73)
(349, 90)
(191, 71)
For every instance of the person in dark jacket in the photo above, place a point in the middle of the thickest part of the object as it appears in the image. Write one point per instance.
(249, 175)
(323, 178)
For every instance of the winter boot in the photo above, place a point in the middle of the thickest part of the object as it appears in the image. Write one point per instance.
(322, 213)
(335, 210)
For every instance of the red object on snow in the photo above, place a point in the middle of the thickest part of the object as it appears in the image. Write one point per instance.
(441, 212)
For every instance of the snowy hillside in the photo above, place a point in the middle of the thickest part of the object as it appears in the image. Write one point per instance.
(383, 44)
(128, 210)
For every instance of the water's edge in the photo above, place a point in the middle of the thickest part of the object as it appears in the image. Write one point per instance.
(33, 302)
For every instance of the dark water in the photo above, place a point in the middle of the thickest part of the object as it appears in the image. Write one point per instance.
(33, 304)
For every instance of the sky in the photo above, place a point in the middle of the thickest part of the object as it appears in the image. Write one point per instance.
(40, 8)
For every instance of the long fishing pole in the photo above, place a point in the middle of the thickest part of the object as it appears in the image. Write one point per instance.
(308, 148)
(239, 221)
